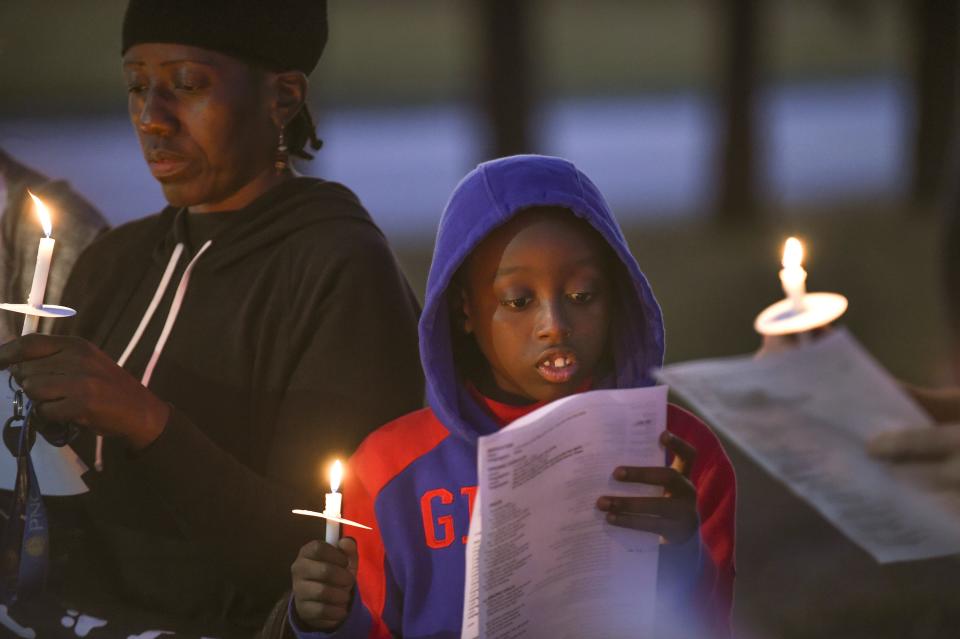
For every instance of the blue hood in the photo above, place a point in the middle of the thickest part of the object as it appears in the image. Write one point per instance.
(487, 197)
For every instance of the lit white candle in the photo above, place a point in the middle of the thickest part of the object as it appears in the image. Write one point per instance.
(42, 269)
(792, 276)
(332, 503)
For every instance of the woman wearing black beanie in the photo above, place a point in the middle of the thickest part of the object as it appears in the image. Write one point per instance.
(224, 349)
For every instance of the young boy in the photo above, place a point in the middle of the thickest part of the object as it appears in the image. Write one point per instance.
(532, 295)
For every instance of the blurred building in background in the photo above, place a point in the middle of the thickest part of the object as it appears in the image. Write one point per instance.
(739, 108)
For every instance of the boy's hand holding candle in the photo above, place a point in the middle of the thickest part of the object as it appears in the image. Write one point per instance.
(323, 580)
(324, 573)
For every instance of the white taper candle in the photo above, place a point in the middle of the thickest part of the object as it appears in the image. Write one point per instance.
(792, 277)
(42, 269)
(332, 504)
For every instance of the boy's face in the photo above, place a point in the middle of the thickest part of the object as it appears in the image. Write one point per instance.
(537, 300)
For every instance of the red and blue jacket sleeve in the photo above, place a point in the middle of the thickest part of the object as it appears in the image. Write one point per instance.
(714, 479)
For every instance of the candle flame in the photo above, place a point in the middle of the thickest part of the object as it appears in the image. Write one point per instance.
(336, 474)
(42, 213)
(792, 253)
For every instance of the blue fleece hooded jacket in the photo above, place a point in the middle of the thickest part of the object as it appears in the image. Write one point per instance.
(486, 198)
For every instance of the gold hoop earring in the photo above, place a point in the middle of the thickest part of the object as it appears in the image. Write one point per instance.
(281, 160)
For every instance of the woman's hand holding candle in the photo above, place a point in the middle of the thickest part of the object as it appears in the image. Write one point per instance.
(72, 381)
(323, 580)
(672, 516)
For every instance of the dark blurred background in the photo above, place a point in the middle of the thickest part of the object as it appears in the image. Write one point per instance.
(714, 127)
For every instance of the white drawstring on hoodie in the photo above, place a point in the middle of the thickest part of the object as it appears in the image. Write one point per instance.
(167, 326)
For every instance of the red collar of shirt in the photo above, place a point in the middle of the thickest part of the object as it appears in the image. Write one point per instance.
(506, 413)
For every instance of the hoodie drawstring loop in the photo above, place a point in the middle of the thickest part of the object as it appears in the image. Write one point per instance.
(167, 326)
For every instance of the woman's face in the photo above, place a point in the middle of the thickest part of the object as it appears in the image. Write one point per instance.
(203, 120)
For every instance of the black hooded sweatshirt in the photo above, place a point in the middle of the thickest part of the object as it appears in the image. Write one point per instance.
(295, 337)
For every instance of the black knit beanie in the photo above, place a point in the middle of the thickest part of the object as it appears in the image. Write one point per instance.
(280, 34)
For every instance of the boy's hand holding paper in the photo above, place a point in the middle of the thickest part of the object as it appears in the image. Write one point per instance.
(673, 516)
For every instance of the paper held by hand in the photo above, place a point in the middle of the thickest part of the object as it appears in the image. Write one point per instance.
(805, 415)
(536, 536)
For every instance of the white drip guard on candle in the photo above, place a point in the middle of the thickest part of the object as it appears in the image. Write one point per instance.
(819, 309)
(47, 310)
